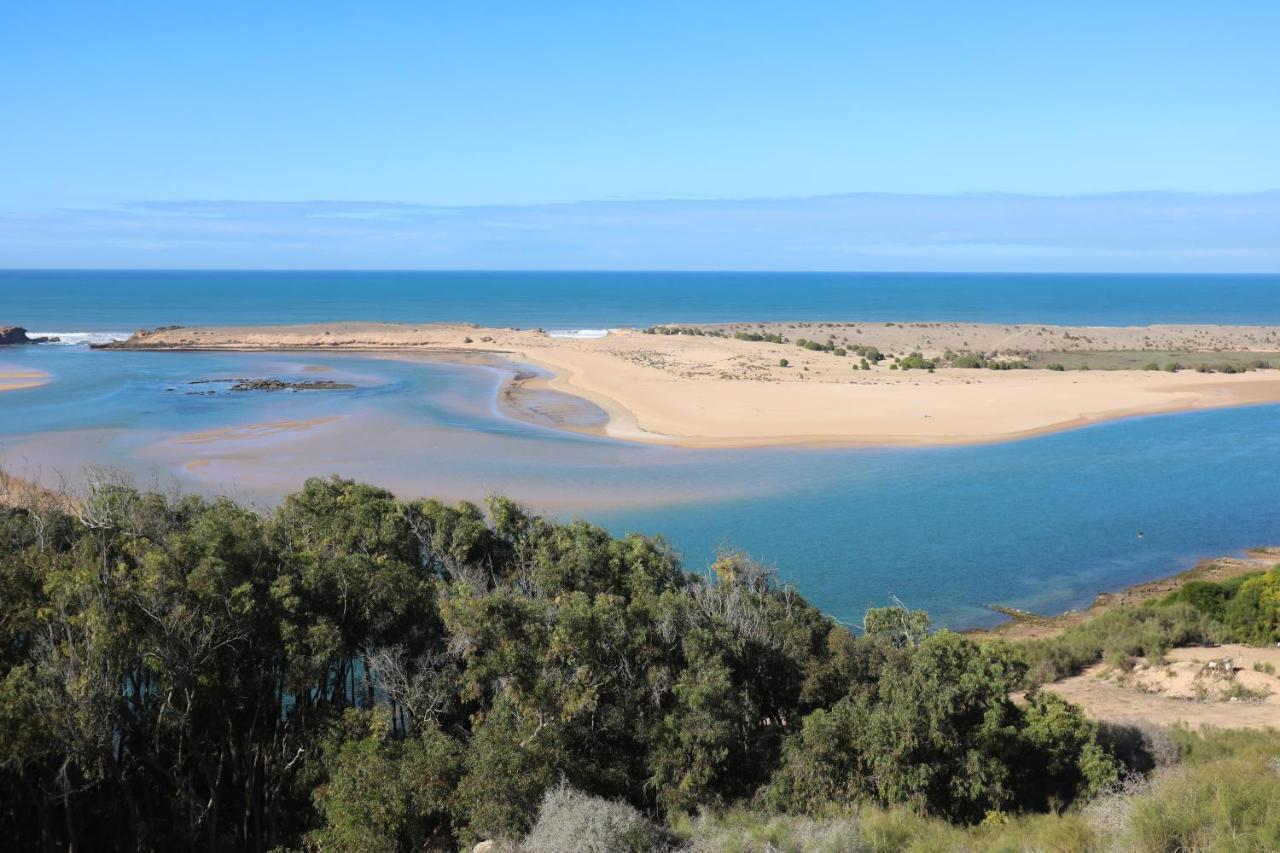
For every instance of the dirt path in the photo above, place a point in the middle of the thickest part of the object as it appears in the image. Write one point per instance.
(1184, 689)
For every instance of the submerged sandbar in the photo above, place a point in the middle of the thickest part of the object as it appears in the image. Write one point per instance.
(15, 379)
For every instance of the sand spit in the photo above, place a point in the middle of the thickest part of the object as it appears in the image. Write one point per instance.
(715, 390)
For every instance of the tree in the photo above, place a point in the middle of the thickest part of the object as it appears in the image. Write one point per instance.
(385, 793)
(354, 672)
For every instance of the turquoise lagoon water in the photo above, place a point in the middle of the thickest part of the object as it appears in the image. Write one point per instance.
(1044, 523)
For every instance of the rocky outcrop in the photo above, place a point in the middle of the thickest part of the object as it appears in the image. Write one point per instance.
(280, 385)
(138, 340)
(276, 385)
(18, 335)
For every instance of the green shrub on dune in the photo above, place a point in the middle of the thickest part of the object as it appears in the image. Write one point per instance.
(1118, 635)
(915, 361)
(1247, 607)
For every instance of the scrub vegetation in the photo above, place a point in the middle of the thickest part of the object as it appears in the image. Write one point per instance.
(1244, 609)
(354, 672)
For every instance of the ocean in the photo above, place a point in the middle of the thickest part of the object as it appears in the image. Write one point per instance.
(1043, 524)
(115, 301)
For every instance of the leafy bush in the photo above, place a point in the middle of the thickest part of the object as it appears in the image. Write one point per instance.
(817, 346)
(869, 353)
(938, 732)
(385, 793)
(915, 361)
(1206, 597)
(1139, 745)
(1223, 797)
(1248, 606)
(693, 331)
(1118, 634)
(570, 821)
(969, 360)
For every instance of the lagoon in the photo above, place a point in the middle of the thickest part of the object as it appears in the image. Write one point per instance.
(1042, 524)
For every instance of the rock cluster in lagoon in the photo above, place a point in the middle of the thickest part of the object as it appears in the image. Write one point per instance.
(274, 385)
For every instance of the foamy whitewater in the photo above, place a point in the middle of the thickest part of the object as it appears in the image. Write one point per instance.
(71, 339)
(580, 333)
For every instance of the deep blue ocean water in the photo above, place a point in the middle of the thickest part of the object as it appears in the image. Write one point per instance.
(111, 301)
(1043, 524)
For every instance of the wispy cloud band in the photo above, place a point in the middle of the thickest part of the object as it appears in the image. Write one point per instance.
(1148, 231)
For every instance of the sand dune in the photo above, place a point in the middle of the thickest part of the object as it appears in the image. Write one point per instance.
(707, 390)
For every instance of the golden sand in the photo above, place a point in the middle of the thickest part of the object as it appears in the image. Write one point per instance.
(705, 391)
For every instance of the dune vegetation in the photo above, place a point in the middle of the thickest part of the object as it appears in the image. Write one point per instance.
(350, 671)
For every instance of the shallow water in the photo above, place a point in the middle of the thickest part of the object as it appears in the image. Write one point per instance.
(1042, 524)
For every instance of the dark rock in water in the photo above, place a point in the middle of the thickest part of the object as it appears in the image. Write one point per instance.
(280, 385)
(138, 340)
(18, 335)
(276, 385)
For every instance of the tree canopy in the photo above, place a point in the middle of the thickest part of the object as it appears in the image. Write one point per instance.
(355, 672)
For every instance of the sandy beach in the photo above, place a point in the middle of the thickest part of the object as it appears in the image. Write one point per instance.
(707, 388)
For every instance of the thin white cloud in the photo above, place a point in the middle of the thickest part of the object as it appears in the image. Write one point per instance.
(1156, 231)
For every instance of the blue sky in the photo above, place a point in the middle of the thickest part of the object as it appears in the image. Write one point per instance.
(599, 135)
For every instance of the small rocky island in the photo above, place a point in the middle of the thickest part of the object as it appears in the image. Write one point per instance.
(18, 335)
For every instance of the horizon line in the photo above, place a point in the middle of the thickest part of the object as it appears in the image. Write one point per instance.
(630, 271)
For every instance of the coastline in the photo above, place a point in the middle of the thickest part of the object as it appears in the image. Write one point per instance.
(712, 390)
(1025, 625)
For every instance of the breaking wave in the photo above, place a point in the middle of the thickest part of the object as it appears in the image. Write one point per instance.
(579, 333)
(74, 339)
